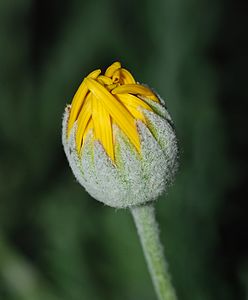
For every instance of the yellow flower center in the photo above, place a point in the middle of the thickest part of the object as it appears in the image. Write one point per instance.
(103, 100)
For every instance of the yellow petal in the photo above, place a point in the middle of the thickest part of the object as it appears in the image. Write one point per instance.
(111, 86)
(102, 126)
(127, 76)
(133, 103)
(128, 99)
(117, 111)
(76, 105)
(136, 89)
(87, 129)
(116, 76)
(83, 119)
(104, 79)
(111, 69)
(78, 100)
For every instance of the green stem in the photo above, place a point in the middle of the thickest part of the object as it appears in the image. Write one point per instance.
(148, 231)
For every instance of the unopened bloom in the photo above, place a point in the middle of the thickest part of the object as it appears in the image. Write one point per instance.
(119, 139)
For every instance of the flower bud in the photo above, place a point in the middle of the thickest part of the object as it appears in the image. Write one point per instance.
(119, 139)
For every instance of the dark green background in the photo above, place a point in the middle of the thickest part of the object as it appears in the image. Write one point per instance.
(58, 243)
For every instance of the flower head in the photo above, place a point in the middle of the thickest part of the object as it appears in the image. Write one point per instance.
(118, 138)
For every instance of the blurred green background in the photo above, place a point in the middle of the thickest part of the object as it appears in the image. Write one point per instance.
(56, 242)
